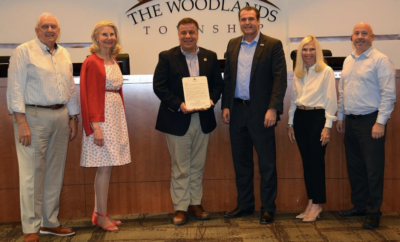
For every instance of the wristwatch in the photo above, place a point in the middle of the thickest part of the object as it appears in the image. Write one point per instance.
(289, 126)
(76, 119)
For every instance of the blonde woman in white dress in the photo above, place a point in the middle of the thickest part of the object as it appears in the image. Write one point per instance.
(105, 141)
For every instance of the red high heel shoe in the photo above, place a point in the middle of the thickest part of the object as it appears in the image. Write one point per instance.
(109, 228)
(116, 222)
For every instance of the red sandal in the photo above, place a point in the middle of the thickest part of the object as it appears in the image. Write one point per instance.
(116, 222)
(109, 228)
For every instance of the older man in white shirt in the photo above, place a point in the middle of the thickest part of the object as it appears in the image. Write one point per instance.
(42, 98)
(367, 93)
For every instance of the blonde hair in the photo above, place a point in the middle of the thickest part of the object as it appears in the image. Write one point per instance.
(320, 64)
(95, 48)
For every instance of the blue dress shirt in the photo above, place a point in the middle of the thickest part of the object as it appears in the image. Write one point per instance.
(245, 61)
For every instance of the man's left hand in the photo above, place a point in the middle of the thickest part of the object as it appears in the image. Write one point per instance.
(270, 118)
(378, 131)
(205, 109)
(212, 103)
(73, 129)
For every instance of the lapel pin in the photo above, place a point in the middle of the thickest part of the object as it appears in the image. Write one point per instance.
(205, 59)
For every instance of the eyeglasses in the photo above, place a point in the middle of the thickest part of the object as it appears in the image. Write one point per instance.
(48, 26)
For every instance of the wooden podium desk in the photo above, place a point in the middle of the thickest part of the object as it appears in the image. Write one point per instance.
(143, 186)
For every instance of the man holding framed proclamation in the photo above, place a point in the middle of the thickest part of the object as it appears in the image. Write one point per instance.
(187, 127)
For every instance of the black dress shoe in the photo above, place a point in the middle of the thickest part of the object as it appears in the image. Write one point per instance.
(266, 218)
(237, 212)
(371, 222)
(351, 212)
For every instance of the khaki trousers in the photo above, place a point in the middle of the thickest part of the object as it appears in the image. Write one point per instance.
(188, 156)
(41, 167)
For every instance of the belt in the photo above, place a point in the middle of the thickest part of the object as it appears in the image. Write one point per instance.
(309, 108)
(242, 101)
(52, 107)
(115, 91)
(352, 116)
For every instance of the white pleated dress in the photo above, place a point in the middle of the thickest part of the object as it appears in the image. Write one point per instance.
(116, 151)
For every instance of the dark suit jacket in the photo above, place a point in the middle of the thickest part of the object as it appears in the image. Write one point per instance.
(268, 77)
(167, 85)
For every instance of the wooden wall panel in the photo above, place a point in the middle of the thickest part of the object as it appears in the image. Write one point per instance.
(143, 185)
(291, 194)
(74, 174)
(219, 195)
(150, 155)
(392, 148)
(72, 201)
(134, 198)
(8, 156)
(391, 193)
(9, 209)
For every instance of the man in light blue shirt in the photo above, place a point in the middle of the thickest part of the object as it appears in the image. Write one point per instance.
(254, 88)
(245, 61)
(367, 94)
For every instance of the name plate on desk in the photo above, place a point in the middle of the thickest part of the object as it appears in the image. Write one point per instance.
(338, 74)
(196, 92)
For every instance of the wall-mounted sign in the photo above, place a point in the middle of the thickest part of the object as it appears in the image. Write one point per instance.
(149, 26)
(142, 11)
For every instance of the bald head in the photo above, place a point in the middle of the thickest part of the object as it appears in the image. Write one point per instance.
(364, 25)
(362, 37)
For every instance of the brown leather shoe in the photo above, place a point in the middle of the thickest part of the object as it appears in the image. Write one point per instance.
(58, 231)
(198, 212)
(179, 217)
(31, 238)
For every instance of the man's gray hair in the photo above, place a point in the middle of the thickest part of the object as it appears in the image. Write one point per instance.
(44, 15)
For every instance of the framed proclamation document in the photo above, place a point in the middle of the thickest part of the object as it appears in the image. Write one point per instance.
(196, 92)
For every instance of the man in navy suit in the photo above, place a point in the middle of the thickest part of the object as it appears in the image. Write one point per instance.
(254, 88)
(187, 130)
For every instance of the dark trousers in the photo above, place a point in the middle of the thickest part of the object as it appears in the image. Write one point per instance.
(246, 131)
(365, 163)
(308, 125)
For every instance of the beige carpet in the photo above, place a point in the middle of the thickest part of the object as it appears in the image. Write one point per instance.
(158, 227)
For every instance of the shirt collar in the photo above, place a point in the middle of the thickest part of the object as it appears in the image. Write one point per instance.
(190, 55)
(311, 68)
(366, 53)
(255, 40)
(44, 47)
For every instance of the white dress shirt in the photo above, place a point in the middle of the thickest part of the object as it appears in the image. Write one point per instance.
(367, 85)
(315, 89)
(37, 77)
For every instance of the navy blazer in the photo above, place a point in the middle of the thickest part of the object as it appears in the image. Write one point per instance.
(167, 85)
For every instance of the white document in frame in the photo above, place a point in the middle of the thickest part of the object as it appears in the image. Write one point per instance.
(196, 92)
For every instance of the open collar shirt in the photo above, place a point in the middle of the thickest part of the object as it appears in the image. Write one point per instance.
(367, 85)
(245, 61)
(192, 61)
(35, 76)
